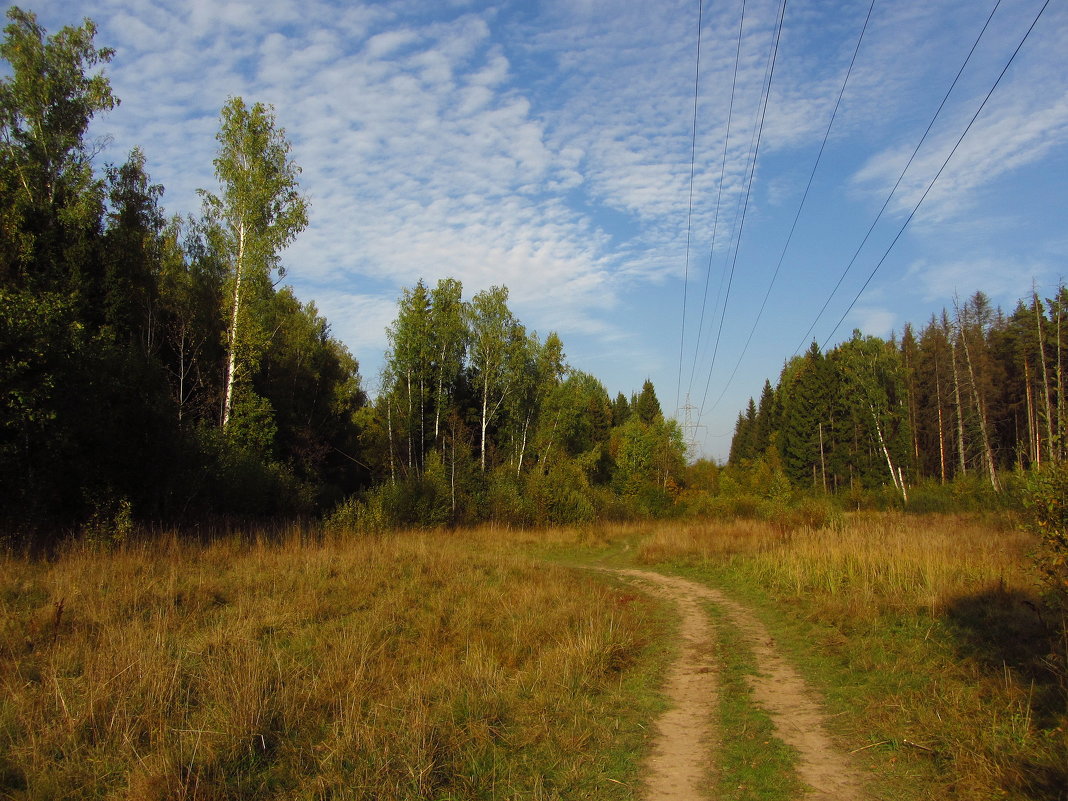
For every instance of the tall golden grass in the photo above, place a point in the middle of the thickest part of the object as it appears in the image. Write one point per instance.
(926, 633)
(407, 666)
(870, 561)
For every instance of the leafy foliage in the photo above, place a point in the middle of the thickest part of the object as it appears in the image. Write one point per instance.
(1046, 504)
(117, 334)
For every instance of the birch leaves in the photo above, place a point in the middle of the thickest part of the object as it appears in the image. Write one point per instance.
(260, 212)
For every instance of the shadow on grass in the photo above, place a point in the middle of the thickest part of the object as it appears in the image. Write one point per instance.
(1014, 638)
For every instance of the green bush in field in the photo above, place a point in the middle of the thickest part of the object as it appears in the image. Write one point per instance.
(560, 495)
(1045, 503)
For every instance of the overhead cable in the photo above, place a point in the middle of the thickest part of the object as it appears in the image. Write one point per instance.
(930, 125)
(745, 204)
(908, 219)
(689, 212)
(797, 216)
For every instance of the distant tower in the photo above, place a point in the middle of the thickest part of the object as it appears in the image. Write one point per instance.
(689, 428)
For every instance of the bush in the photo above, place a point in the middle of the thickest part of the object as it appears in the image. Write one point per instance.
(505, 502)
(808, 511)
(560, 496)
(417, 502)
(1045, 505)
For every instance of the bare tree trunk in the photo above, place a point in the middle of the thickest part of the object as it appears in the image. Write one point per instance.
(1034, 450)
(823, 463)
(452, 476)
(1062, 433)
(422, 420)
(910, 389)
(389, 424)
(408, 426)
(960, 409)
(941, 436)
(1050, 439)
(988, 453)
(181, 373)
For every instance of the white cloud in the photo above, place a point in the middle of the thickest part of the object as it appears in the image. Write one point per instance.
(386, 44)
(1001, 278)
(1025, 118)
(872, 320)
(358, 320)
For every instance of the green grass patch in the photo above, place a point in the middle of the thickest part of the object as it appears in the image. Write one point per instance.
(753, 764)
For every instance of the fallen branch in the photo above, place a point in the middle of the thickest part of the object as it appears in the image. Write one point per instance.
(921, 747)
(866, 747)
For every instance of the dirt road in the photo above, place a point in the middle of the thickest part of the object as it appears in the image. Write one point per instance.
(680, 763)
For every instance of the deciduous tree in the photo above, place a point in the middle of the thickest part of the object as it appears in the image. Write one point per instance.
(259, 212)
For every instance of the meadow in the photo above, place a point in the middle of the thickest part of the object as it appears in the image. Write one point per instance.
(486, 664)
(408, 666)
(927, 636)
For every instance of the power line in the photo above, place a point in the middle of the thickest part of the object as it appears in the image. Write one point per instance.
(797, 216)
(897, 183)
(689, 212)
(745, 204)
(908, 219)
(719, 199)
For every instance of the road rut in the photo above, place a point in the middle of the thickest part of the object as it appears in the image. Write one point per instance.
(680, 761)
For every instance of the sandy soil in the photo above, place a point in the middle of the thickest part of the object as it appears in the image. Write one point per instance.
(680, 763)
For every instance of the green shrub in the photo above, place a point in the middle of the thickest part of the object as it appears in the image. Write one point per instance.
(1045, 505)
(560, 496)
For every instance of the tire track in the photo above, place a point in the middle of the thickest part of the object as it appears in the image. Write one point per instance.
(680, 763)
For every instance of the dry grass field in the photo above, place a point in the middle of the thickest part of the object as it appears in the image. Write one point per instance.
(478, 665)
(409, 666)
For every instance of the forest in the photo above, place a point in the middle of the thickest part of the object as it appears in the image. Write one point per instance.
(973, 395)
(155, 370)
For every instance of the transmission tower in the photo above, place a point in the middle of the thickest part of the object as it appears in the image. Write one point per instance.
(689, 428)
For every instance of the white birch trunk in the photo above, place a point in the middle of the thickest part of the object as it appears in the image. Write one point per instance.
(898, 485)
(485, 422)
(231, 356)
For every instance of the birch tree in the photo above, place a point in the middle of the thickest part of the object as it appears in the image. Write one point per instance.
(873, 390)
(259, 213)
(448, 334)
(408, 372)
(492, 329)
(51, 93)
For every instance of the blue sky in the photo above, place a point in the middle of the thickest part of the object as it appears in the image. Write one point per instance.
(546, 146)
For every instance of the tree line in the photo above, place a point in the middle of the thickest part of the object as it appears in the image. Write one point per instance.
(150, 366)
(154, 369)
(974, 392)
(479, 418)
